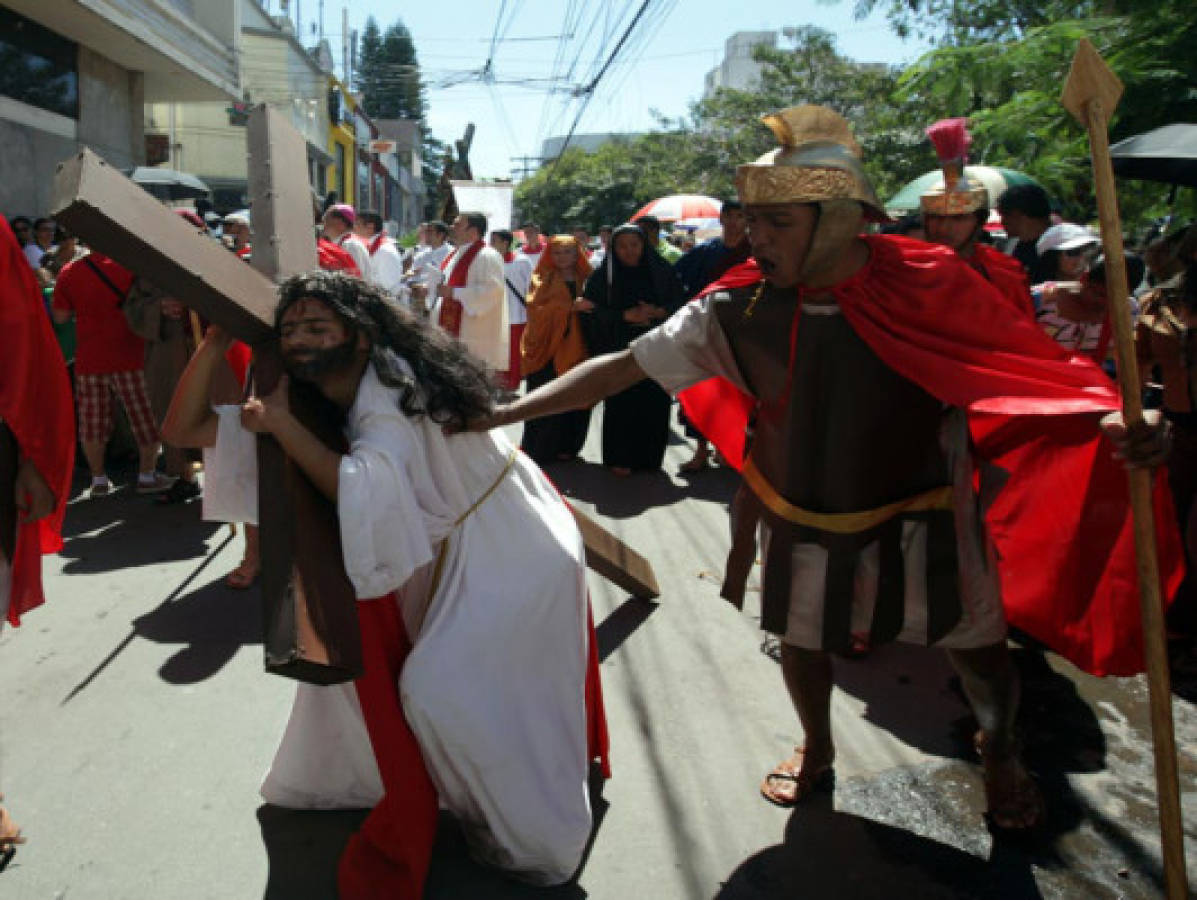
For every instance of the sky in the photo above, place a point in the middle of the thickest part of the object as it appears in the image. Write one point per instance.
(661, 66)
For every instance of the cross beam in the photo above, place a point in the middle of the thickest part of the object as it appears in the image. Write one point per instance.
(118, 218)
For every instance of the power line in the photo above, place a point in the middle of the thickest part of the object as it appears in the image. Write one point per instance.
(589, 89)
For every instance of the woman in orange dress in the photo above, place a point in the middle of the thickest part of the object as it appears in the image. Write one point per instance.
(552, 344)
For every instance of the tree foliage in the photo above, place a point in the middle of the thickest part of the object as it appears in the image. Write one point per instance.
(389, 80)
(1001, 63)
(1010, 86)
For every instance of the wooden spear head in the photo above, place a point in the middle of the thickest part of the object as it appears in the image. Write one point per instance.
(1090, 79)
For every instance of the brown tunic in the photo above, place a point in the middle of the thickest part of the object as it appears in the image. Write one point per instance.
(843, 434)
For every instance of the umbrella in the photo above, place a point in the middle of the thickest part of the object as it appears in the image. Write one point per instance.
(167, 184)
(1167, 154)
(681, 206)
(697, 223)
(995, 180)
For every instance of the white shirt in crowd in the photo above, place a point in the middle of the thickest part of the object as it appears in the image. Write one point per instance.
(518, 274)
(356, 247)
(386, 267)
(428, 260)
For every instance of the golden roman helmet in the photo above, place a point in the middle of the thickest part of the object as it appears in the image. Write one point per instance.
(957, 193)
(818, 160)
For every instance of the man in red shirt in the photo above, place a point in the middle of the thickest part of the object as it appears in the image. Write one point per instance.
(109, 358)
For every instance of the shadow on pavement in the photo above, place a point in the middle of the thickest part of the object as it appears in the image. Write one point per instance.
(915, 696)
(827, 853)
(127, 529)
(212, 623)
(622, 498)
(303, 848)
(621, 623)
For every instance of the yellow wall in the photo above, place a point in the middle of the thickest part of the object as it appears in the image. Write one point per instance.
(341, 135)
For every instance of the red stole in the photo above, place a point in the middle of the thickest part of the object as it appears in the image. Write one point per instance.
(36, 405)
(376, 243)
(451, 310)
(1061, 523)
(333, 259)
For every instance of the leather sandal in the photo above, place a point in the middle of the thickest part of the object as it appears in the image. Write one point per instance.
(790, 772)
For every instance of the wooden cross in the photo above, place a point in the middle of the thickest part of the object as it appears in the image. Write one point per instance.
(309, 614)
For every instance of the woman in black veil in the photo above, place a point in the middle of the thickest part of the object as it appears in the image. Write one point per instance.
(633, 291)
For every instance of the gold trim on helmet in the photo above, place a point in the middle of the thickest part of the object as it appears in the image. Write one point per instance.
(955, 195)
(818, 160)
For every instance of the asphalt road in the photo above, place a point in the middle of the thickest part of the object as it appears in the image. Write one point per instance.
(137, 723)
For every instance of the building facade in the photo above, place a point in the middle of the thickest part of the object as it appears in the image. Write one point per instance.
(79, 73)
(739, 71)
(207, 139)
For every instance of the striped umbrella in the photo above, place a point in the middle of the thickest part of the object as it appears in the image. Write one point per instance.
(993, 178)
(681, 206)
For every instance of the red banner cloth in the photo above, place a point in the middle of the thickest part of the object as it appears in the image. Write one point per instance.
(1061, 523)
(36, 404)
(451, 310)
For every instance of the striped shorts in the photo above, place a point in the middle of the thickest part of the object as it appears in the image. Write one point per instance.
(93, 394)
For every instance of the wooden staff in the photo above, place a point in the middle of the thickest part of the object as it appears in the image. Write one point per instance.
(1091, 93)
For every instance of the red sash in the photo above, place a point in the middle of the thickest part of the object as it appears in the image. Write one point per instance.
(333, 259)
(451, 309)
(376, 243)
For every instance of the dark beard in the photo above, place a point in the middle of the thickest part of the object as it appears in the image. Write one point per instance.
(317, 363)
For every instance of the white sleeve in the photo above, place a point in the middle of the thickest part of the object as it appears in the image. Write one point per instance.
(231, 471)
(484, 287)
(361, 256)
(384, 535)
(386, 269)
(687, 348)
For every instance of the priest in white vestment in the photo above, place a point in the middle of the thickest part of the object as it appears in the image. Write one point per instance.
(494, 687)
(472, 302)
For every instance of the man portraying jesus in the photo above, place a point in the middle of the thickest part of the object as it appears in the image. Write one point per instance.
(494, 686)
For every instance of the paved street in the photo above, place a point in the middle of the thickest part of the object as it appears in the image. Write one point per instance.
(138, 721)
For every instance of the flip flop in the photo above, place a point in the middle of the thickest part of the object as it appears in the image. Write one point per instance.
(790, 772)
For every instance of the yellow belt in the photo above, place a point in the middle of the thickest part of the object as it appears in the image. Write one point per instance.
(841, 523)
(443, 550)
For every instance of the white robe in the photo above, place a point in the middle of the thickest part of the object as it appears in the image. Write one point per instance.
(494, 687)
(483, 298)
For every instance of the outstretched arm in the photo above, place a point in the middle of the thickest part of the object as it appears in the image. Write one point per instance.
(579, 388)
(190, 421)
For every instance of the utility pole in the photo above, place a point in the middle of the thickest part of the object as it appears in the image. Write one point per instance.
(528, 165)
(345, 63)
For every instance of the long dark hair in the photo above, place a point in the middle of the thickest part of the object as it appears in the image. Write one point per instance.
(447, 384)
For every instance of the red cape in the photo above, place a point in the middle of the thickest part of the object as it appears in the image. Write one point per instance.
(1061, 523)
(35, 402)
(1008, 276)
